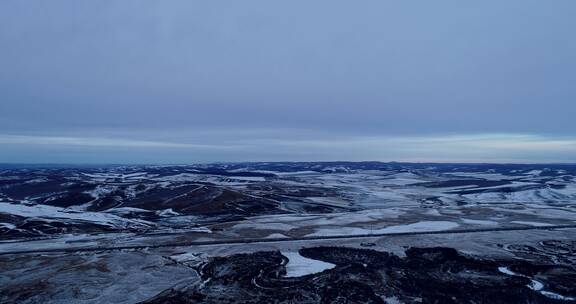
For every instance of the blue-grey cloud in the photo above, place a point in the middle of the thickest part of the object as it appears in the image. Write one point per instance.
(186, 71)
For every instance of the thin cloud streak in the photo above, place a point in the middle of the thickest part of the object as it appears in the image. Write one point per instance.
(440, 148)
(98, 142)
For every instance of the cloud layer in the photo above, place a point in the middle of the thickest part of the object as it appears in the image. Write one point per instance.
(295, 80)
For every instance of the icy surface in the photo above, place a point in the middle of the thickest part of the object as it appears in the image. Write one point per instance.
(424, 226)
(537, 286)
(300, 266)
(534, 224)
(506, 270)
(480, 222)
(51, 212)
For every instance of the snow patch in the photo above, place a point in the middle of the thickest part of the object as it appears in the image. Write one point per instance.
(299, 266)
(167, 212)
(423, 226)
(537, 286)
(7, 225)
(506, 270)
(533, 224)
(479, 222)
(51, 212)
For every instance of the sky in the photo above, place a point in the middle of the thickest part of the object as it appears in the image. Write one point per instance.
(220, 81)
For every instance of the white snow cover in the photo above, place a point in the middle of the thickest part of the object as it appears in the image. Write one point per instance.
(101, 191)
(300, 266)
(276, 236)
(287, 222)
(214, 179)
(534, 224)
(506, 270)
(268, 226)
(533, 172)
(167, 212)
(51, 212)
(536, 286)
(7, 225)
(556, 296)
(125, 210)
(479, 222)
(107, 175)
(423, 226)
(185, 257)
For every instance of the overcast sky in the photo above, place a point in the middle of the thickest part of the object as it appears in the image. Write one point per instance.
(200, 81)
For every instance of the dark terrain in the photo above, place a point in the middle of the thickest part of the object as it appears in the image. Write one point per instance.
(264, 233)
(424, 275)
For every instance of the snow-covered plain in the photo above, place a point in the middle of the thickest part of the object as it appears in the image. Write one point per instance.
(424, 226)
(293, 200)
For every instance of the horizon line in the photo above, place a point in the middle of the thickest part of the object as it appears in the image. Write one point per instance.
(79, 164)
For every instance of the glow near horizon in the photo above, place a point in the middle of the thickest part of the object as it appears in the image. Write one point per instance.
(510, 148)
